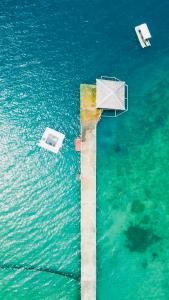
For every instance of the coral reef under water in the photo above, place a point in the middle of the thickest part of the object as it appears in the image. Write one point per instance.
(137, 206)
(139, 239)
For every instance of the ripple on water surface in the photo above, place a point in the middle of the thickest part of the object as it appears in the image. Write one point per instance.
(47, 49)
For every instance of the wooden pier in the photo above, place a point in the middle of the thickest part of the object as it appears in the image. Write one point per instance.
(89, 116)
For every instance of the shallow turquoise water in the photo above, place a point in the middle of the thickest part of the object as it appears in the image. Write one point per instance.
(47, 49)
(133, 181)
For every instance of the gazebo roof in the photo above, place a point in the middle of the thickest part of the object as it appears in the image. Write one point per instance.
(110, 94)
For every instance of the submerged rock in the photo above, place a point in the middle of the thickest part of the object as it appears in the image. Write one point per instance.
(137, 206)
(139, 239)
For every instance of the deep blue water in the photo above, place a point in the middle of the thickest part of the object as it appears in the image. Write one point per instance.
(47, 48)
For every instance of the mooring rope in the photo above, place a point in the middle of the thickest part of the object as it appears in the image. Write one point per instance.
(39, 269)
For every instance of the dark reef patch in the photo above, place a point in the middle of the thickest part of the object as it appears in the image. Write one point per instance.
(139, 239)
(147, 192)
(154, 255)
(137, 206)
(145, 220)
(117, 148)
(144, 264)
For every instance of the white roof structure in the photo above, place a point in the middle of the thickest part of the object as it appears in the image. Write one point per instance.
(111, 94)
(51, 140)
(145, 31)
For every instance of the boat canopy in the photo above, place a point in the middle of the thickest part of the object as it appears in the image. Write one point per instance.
(145, 31)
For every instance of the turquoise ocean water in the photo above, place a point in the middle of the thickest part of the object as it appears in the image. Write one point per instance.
(47, 48)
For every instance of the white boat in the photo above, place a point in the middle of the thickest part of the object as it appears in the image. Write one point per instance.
(143, 35)
(51, 140)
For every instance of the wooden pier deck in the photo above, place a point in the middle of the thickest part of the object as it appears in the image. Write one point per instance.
(89, 116)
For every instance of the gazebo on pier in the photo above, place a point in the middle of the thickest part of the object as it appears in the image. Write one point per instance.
(112, 95)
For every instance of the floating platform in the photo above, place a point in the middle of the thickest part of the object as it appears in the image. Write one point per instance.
(89, 117)
(51, 140)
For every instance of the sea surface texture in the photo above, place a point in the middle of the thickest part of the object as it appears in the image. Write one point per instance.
(47, 48)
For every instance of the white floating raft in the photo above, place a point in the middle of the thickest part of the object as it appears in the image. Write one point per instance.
(143, 35)
(51, 140)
